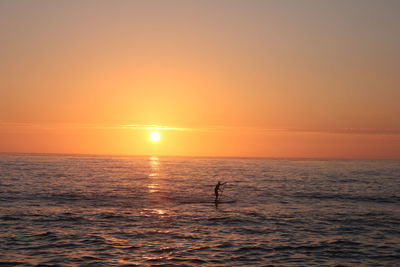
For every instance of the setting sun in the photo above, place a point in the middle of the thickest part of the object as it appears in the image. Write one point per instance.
(154, 136)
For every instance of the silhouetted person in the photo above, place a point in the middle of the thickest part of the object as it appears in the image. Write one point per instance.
(217, 190)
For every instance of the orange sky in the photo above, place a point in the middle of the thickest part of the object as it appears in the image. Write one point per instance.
(217, 78)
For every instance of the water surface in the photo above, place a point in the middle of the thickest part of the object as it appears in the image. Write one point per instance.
(96, 210)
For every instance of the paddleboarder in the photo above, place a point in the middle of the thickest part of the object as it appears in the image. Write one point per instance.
(218, 189)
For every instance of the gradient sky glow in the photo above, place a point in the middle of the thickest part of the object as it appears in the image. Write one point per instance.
(216, 78)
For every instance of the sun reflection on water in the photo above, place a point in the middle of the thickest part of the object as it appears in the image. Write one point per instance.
(152, 212)
(154, 166)
(153, 186)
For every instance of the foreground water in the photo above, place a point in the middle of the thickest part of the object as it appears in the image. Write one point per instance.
(93, 210)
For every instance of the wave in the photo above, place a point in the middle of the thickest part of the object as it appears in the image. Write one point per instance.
(343, 197)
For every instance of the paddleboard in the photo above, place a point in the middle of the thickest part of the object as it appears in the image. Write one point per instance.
(207, 201)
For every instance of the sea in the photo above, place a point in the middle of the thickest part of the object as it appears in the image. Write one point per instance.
(91, 210)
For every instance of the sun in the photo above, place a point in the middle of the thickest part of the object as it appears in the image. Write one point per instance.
(154, 136)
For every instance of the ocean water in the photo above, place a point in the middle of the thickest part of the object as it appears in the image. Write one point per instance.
(70, 210)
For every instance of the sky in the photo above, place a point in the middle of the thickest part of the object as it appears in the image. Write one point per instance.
(304, 78)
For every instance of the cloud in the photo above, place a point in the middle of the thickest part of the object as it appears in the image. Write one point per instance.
(153, 127)
(215, 129)
(361, 131)
(220, 128)
(18, 125)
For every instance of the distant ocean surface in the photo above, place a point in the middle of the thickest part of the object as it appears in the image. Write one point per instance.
(68, 210)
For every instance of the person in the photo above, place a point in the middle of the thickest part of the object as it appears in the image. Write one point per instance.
(218, 189)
